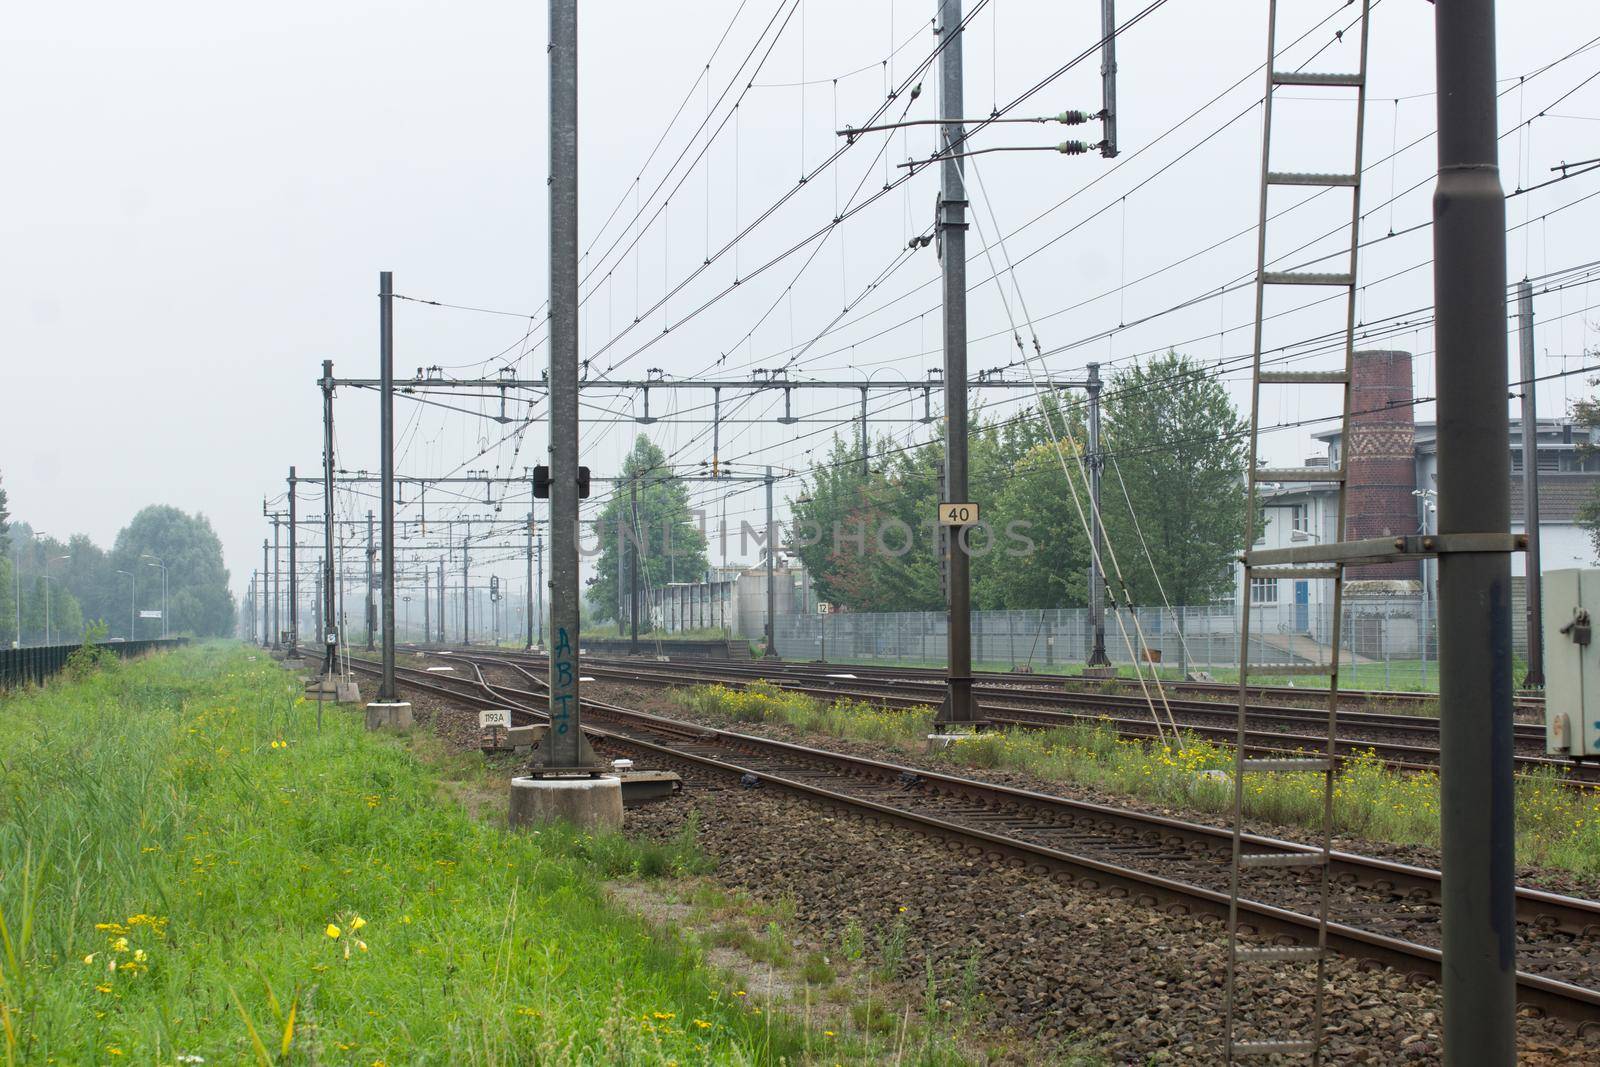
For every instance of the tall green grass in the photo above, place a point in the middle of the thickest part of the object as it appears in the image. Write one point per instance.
(189, 869)
(1557, 826)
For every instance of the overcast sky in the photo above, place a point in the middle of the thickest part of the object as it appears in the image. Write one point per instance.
(200, 197)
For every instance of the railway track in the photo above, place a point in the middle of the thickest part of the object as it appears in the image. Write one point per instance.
(1389, 911)
(1401, 741)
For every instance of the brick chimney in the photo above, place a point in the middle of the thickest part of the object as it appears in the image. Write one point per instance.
(1380, 463)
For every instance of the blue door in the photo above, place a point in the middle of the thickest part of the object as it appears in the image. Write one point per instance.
(1302, 607)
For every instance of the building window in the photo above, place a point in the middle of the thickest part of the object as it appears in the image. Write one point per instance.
(1300, 517)
(1263, 590)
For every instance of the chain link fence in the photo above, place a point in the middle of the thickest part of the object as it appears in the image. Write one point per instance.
(1387, 641)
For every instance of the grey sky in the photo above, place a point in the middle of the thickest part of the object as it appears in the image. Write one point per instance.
(200, 196)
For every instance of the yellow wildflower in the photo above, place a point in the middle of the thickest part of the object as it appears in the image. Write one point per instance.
(702, 1024)
(357, 923)
(119, 945)
(89, 959)
(333, 931)
(102, 988)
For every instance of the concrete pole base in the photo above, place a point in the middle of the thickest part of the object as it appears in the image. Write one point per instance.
(587, 803)
(385, 716)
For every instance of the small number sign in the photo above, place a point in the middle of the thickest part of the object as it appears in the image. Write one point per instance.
(958, 514)
(498, 717)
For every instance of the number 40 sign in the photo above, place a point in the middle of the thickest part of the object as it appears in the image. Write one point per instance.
(958, 514)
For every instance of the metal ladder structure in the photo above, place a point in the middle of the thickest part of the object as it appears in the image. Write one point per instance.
(1324, 561)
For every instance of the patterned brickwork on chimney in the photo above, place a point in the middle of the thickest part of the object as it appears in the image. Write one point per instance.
(1380, 460)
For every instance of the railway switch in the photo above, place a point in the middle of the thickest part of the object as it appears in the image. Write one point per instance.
(1572, 664)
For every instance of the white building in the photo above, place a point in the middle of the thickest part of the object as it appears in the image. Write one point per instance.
(1308, 512)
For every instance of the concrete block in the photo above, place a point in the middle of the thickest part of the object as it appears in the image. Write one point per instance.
(1099, 672)
(642, 787)
(347, 691)
(587, 803)
(389, 716)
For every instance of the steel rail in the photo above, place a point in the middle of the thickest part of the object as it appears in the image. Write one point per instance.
(1001, 707)
(675, 740)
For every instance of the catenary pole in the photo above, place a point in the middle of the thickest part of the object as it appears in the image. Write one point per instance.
(277, 589)
(633, 568)
(329, 635)
(466, 587)
(1097, 581)
(441, 600)
(772, 574)
(371, 550)
(1477, 812)
(564, 748)
(538, 563)
(529, 644)
(266, 608)
(386, 691)
(427, 606)
(294, 578)
(953, 255)
(1530, 488)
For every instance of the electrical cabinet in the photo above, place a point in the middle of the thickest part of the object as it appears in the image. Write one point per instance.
(1571, 663)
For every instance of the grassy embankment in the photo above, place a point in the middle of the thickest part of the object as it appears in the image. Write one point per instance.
(191, 872)
(1556, 826)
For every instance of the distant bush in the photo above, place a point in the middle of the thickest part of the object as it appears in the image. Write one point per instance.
(92, 656)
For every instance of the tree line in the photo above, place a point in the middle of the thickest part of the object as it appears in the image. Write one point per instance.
(1173, 448)
(55, 589)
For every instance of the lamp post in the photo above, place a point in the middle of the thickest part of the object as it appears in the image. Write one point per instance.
(163, 566)
(47, 578)
(16, 591)
(132, 585)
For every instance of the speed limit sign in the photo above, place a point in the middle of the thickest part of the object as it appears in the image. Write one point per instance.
(958, 514)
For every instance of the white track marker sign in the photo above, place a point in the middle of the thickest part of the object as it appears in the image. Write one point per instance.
(493, 722)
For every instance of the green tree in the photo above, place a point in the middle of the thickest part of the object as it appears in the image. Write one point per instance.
(869, 539)
(198, 598)
(672, 545)
(1176, 443)
(1586, 413)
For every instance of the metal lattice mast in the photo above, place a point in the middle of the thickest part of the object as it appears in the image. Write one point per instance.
(1262, 565)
